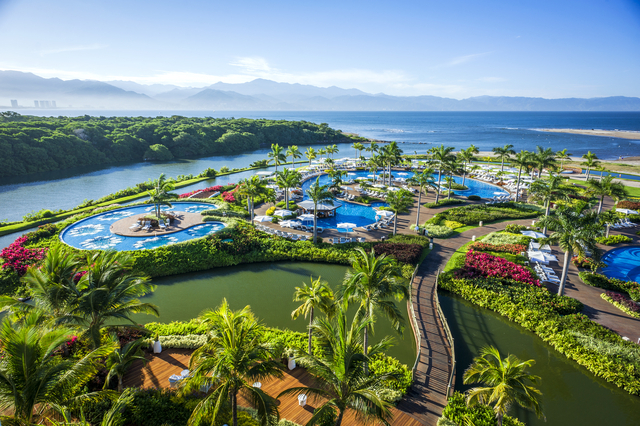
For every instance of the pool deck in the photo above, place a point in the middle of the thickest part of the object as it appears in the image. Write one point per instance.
(182, 222)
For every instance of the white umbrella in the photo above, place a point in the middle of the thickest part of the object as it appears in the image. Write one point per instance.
(283, 213)
(305, 217)
(263, 219)
(499, 193)
(393, 188)
(351, 174)
(533, 234)
(289, 223)
(626, 211)
(346, 225)
(385, 213)
(403, 174)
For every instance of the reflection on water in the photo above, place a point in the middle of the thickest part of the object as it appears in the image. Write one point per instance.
(571, 394)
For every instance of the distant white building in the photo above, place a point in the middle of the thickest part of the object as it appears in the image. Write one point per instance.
(53, 104)
(14, 103)
(44, 104)
(36, 104)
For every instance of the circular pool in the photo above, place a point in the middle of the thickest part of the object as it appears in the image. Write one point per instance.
(623, 263)
(94, 233)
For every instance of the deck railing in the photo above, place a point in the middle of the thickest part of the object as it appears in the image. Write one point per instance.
(447, 331)
(414, 324)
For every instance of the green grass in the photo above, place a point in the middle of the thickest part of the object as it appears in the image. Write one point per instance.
(461, 252)
(631, 190)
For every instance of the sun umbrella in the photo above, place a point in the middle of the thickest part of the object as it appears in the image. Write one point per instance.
(403, 174)
(283, 213)
(346, 225)
(626, 211)
(351, 174)
(499, 193)
(263, 219)
(385, 213)
(533, 234)
(305, 217)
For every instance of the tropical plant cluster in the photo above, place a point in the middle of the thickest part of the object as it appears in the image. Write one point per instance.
(501, 248)
(628, 204)
(622, 302)
(444, 202)
(438, 231)
(215, 188)
(457, 412)
(405, 253)
(631, 288)
(19, 258)
(473, 214)
(486, 265)
(48, 143)
(612, 240)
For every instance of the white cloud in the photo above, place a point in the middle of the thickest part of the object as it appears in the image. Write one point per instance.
(73, 49)
(252, 65)
(464, 59)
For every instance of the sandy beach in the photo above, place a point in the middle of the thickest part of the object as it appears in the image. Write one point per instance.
(594, 132)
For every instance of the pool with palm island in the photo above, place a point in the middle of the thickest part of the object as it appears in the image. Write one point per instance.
(94, 233)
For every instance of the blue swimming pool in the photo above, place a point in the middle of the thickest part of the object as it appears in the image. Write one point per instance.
(93, 233)
(623, 263)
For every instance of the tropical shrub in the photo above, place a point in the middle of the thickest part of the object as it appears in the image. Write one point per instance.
(474, 198)
(502, 238)
(631, 288)
(627, 204)
(453, 224)
(512, 228)
(409, 239)
(501, 248)
(405, 253)
(583, 262)
(270, 211)
(190, 341)
(622, 302)
(474, 213)
(459, 413)
(444, 202)
(486, 265)
(19, 258)
(438, 231)
(177, 328)
(614, 239)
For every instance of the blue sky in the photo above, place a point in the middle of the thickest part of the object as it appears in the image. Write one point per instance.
(449, 48)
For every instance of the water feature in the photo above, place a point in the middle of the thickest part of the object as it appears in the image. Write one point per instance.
(571, 394)
(93, 233)
(623, 263)
(267, 287)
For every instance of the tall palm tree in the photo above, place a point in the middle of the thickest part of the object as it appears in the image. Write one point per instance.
(32, 380)
(160, 195)
(119, 361)
(399, 202)
(543, 158)
(473, 149)
(466, 157)
(373, 282)
(253, 187)
(233, 358)
(424, 180)
(442, 154)
(317, 295)
(575, 231)
(310, 153)
(276, 155)
(504, 382)
(318, 194)
(343, 382)
(288, 179)
(294, 153)
(504, 153)
(373, 148)
(322, 152)
(392, 155)
(331, 149)
(524, 161)
(359, 147)
(549, 190)
(563, 156)
(336, 178)
(110, 290)
(591, 162)
(608, 187)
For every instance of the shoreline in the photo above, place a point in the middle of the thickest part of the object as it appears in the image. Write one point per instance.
(621, 134)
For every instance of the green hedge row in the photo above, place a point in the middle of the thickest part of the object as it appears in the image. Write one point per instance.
(472, 214)
(460, 414)
(631, 288)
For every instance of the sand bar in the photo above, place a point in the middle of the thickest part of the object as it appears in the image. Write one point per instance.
(595, 132)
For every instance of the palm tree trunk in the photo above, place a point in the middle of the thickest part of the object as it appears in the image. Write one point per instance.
(286, 197)
(588, 171)
(502, 166)
(310, 334)
(518, 184)
(450, 182)
(419, 202)
(546, 214)
(365, 344)
(251, 208)
(499, 419)
(438, 189)
(395, 223)
(234, 408)
(339, 419)
(315, 223)
(565, 270)
(464, 174)
(600, 205)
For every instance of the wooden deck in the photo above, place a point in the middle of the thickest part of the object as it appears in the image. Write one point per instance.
(155, 374)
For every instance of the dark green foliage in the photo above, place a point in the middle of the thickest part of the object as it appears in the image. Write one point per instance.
(472, 214)
(514, 229)
(409, 239)
(365, 199)
(10, 284)
(47, 143)
(474, 198)
(405, 253)
(614, 239)
(478, 415)
(631, 288)
(444, 202)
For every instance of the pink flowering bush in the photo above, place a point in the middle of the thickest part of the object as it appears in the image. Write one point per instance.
(228, 197)
(500, 248)
(486, 265)
(20, 258)
(215, 188)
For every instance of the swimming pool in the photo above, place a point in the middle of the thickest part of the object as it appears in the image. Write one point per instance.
(623, 263)
(93, 233)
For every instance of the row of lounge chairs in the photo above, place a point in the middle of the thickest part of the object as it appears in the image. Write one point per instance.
(501, 199)
(283, 234)
(146, 226)
(546, 274)
(343, 240)
(623, 223)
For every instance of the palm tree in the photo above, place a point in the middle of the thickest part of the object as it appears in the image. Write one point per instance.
(399, 202)
(563, 156)
(473, 149)
(331, 149)
(550, 190)
(294, 153)
(32, 380)
(608, 187)
(233, 358)
(452, 166)
(504, 382)
(287, 179)
(343, 382)
(591, 162)
(359, 147)
(276, 155)
(392, 155)
(466, 157)
(543, 158)
(575, 231)
(336, 178)
(253, 187)
(372, 148)
(160, 195)
(318, 194)
(442, 154)
(504, 153)
(310, 153)
(371, 282)
(524, 161)
(317, 295)
(424, 180)
(110, 290)
(119, 361)
(322, 152)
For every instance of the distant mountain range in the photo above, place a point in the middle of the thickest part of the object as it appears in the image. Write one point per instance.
(266, 95)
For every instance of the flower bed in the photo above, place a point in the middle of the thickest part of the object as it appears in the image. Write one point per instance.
(486, 265)
(216, 188)
(405, 253)
(501, 248)
(20, 258)
(622, 302)
(631, 288)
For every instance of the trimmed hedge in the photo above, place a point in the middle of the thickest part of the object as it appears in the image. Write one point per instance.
(631, 288)
(614, 239)
(474, 213)
(458, 412)
(444, 202)
(405, 253)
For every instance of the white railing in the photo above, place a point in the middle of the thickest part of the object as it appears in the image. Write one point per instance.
(414, 324)
(447, 331)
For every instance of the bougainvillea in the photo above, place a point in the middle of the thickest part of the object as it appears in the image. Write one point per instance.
(20, 258)
(216, 188)
(500, 248)
(228, 197)
(486, 265)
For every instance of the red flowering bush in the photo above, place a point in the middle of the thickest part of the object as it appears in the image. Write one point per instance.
(405, 253)
(215, 188)
(228, 197)
(500, 248)
(486, 265)
(20, 258)
(77, 276)
(624, 301)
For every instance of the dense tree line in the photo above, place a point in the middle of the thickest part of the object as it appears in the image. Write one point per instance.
(40, 144)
